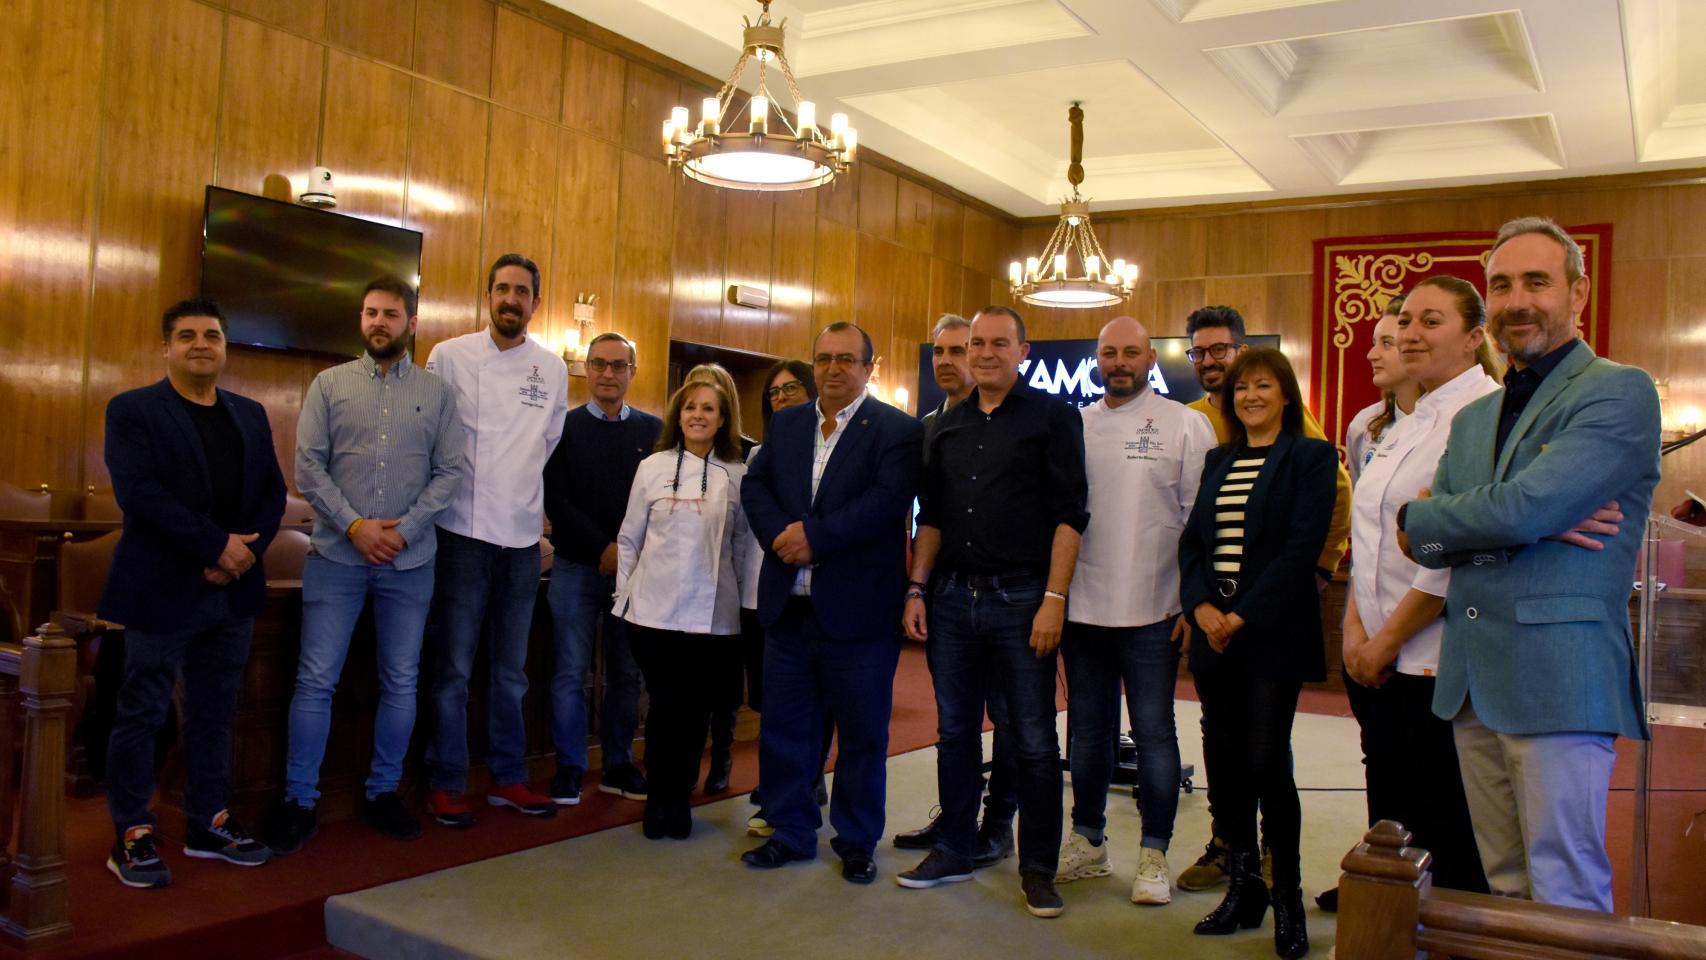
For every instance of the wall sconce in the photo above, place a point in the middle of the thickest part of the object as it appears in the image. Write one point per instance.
(585, 314)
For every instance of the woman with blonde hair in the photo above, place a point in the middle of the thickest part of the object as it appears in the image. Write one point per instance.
(678, 586)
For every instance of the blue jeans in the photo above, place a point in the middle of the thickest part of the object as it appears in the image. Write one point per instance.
(333, 595)
(482, 587)
(1097, 660)
(211, 651)
(980, 641)
(580, 599)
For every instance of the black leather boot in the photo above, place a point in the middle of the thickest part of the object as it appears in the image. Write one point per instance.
(722, 744)
(1246, 901)
(1291, 938)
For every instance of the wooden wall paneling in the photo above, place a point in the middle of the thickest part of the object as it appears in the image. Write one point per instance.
(47, 201)
(277, 380)
(521, 203)
(648, 97)
(873, 292)
(840, 200)
(836, 272)
(791, 274)
(878, 189)
(159, 98)
(1642, 219)
(974, 293)
(1249, 296)
(269, 122)
(1291, 239)
(1175, 299)
(1003, 249)
(447, 187)
(912, 322)
(977, 251)
(527, 65)
(700, 255)
(645, 225)
(583, 233)
(1237, 245)
(453, 42)
(382, 29)
(1683, 234)
(594, 81)
(751, 232)
(1288, 313)
(1640, 293)
(948, 226)
(947, 288)
(914, 218)
(294, 15)
(364, 137)
(1174, 249)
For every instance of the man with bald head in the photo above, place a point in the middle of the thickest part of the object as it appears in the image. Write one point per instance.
(1144, 456)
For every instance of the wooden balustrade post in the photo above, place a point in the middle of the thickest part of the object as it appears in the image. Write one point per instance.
(39, 908)
(1380, 896)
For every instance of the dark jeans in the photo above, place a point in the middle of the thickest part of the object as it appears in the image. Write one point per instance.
(580, 599)
(980, 641)
(680, 671)
(812, 677)
(481, 588)
(1247, 750)
(1413, 776)
(210, 651)
(1098, 659)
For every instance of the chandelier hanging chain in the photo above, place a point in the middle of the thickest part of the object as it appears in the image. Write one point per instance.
(1075, 170)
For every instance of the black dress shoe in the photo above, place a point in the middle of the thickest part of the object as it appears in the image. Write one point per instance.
(924, 838)
(857, 866)
(772, 854)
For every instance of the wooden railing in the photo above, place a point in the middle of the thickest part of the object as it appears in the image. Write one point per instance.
(42, 672)
(1388, 910)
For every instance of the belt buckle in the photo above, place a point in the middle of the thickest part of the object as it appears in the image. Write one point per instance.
(1226, 585)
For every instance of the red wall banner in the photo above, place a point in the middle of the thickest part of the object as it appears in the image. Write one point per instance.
(1356, 276)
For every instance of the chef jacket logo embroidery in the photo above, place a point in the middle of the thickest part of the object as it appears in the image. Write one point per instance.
(534, 377)
(1148, 442)
(532, 396)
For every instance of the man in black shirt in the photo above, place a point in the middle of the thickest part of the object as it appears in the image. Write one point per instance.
(194, 471)
(586, 492)
(1002, 511)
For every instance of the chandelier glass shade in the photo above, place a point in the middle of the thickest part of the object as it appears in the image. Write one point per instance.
(1048, 279)
(768, 152)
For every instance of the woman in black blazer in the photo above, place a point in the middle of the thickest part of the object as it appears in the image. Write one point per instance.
(1247, 584)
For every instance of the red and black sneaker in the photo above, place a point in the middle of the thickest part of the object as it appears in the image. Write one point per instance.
(520, 796)
(450, 809)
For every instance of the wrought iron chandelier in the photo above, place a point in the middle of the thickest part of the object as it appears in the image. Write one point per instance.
(770, 153)
(1047, 280)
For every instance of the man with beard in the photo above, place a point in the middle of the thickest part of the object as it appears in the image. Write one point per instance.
(994, 841)
(511, 397)
(1217, 337)
(1537, 668)
(378, 455)
(1144, 457)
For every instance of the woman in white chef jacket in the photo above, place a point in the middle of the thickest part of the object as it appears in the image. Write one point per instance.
(1392, 615)
(1398, 392)
(678, 563)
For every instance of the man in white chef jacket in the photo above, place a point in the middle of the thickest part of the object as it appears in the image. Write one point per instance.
(511, 395)
(1144, 455)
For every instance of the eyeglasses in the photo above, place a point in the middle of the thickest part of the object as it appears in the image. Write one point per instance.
(839, 359)
(1219, 351)
(599, 365)
(792, 388)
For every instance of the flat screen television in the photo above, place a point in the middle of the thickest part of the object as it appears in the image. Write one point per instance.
(1067, 369)
(290, 276)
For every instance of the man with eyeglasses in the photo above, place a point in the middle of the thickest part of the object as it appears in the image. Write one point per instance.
(1217, 338)
(587, 481)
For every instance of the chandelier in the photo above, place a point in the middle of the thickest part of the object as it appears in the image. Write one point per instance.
(1047, 280)
(770, 153)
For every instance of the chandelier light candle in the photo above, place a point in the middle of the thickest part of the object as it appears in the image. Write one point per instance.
(1047, 280)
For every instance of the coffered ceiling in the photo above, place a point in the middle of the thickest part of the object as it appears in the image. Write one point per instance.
(1207, 101)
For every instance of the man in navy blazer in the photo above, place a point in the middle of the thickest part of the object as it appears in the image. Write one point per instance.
(194, 471)
(1537, 668)
(828, 496)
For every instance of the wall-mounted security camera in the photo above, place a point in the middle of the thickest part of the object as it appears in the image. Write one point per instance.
(319, 192)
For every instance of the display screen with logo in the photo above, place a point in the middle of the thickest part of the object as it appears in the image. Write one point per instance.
(1067, 369)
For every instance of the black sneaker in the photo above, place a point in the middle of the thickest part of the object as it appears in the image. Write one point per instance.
(566, 787)
(224, 839)
(289, 827)
(936, 869)
(625, 780)
(1041, 898)
(387, 814)
(924, 838)
(135, 861)
(994, 842)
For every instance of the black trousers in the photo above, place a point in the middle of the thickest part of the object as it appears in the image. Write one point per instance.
(1247, 749)
(684, 675)
(1413, 777)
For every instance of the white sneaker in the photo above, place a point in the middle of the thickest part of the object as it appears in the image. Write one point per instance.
(1151, 885)
(758, 827)
(1081, 860)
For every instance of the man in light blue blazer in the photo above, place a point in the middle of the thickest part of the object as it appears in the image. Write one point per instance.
(1537, 670)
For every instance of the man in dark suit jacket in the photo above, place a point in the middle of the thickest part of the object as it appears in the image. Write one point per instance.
(194, 471)
(828, 496)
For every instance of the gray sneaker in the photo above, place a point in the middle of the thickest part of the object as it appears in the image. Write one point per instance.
(224, 839)
(136, 862)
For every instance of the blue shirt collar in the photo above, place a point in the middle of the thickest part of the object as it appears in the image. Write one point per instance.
(597, 411)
